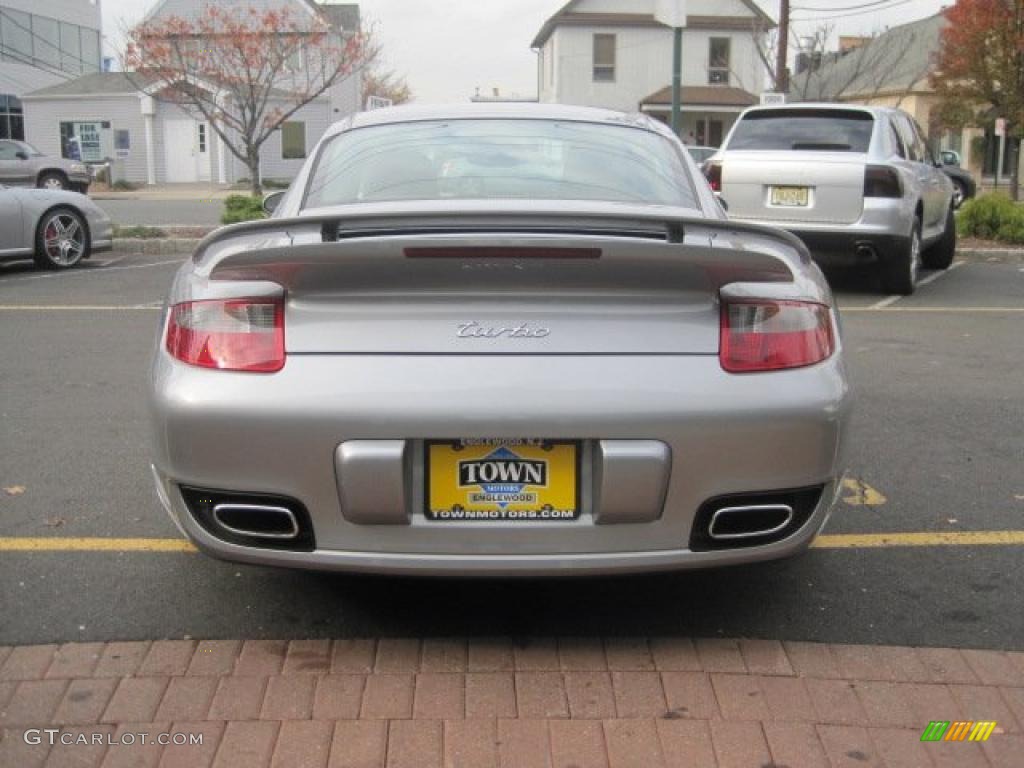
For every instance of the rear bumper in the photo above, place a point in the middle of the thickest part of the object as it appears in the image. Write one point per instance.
(279, 434)
(883, 227)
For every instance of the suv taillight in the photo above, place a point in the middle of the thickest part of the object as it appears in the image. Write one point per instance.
(228, 334)
(713, 173)
(764, 335)
(881, 181)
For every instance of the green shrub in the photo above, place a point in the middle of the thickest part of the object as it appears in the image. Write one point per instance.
(276, 184)
(241, 208)
(992, 217)
(124, 185)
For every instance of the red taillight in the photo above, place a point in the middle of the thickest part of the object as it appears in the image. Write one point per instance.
(713, 173)
(882, 181)
(230, 334)
(771, 335)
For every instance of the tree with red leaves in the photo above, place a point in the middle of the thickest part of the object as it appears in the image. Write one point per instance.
(244, 70)
(980, 67)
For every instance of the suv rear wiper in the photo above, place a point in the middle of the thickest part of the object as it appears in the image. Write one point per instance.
(821, 146)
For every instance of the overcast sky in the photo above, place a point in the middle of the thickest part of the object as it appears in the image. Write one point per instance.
(448, 48)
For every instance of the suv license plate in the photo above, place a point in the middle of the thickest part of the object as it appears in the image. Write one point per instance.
(792, 197)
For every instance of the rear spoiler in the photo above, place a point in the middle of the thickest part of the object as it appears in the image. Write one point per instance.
(630, 221)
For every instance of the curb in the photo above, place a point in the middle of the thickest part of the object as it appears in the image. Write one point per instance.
(155, 245)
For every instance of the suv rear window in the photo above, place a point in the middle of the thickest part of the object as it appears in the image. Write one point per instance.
(825, 130)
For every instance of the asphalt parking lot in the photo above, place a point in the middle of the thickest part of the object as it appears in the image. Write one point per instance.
(936, 450)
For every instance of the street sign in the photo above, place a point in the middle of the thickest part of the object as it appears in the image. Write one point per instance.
(671, 13)
(378, 102)
(772, 99)
(1000, 126)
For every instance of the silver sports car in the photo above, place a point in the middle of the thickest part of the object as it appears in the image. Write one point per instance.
(57, 229)
(499, 339)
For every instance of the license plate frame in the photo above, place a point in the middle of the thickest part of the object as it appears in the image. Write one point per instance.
(790, 196)
(501, 485)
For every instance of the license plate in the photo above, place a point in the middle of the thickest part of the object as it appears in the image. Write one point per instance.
(789, 196)
(502, 480)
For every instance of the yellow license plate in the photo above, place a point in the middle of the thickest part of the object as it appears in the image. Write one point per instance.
(789, 196)
(502, 480)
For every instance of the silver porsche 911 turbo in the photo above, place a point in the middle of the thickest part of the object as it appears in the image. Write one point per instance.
(498, 339)
(57, 229)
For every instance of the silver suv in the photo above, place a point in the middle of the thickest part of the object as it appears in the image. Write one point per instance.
(855, 183)
(22, 165)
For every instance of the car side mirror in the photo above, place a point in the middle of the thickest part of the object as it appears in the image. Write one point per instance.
(272, 201)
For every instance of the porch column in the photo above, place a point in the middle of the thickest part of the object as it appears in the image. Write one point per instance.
(148, 113)
(222, 166)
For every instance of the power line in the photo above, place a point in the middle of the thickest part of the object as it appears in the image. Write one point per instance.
(856, 13)
(842, 7)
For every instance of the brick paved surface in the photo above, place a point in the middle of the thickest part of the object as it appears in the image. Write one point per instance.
(483, 703)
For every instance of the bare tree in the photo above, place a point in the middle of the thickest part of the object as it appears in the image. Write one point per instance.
(864, 72)
(243, 70)
(387, 84)
(877, 66)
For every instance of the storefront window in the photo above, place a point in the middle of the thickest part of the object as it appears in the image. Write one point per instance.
(12, 122)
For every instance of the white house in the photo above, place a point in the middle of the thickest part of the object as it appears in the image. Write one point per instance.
(150, 141)
(615, 54)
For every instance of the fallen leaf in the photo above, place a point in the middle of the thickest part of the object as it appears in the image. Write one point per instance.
(55, 522)
(14, 490)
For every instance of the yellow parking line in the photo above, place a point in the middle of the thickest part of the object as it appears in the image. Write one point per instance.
(75, 308)
(54, 544)
(961, 310)
(825, 541)
(924, 539)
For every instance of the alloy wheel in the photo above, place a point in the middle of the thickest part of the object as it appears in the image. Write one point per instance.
(64, 239)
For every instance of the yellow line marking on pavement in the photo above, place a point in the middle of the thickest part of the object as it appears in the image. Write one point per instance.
(924, 539)
(75, 307)
(825, 541)
(54, 544)
(961, 310)
(861, 494)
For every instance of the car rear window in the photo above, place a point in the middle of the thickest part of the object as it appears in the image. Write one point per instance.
(826, 130)
(477, 159)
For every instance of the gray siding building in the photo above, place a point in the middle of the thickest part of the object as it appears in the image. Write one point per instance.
(43, 42)
(149, 141)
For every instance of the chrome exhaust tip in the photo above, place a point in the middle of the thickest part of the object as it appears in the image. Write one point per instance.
(752, 519)
(251, 519)
(257, 520)
(729, 523)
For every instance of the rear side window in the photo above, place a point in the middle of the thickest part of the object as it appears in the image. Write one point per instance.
(825, 130)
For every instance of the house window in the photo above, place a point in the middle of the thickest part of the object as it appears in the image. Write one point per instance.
(604, 58)
(202, 137)
(12, 123)
(293, 141)
(718, 61)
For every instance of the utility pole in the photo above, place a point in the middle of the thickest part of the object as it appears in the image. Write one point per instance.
(672, 13)
(677, 79)
(781, 70)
